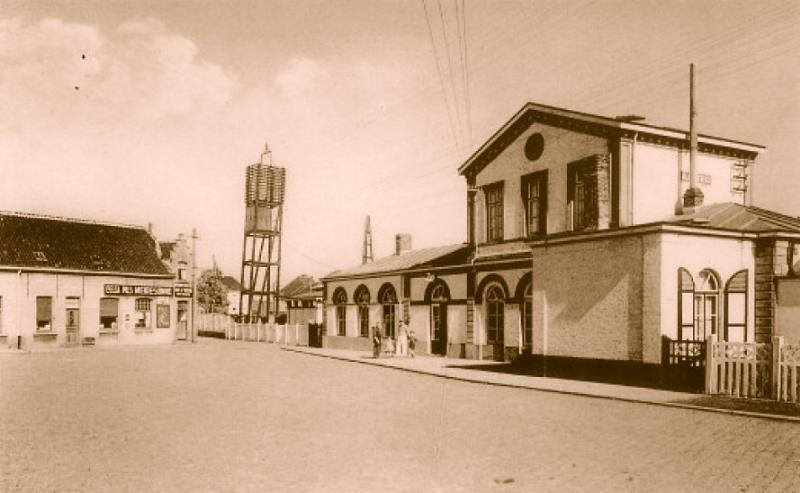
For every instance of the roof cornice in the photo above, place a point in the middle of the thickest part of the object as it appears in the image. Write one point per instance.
(47, 270)
(592, 124)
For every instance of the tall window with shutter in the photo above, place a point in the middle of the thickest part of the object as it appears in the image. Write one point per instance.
(494, 212)
(534, 199)
(582, 194)
(736, 308)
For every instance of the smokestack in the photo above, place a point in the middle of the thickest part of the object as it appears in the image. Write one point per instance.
(402, 243)
(693, 197)
(366, 252)
(692, 131)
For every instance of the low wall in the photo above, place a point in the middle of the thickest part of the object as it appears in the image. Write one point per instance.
(344, 342)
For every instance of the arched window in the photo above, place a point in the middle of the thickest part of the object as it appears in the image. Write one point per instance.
(736, 307)
(388, 300)
(361, 297)
(526, 312)
(340, 300)
(706, 305)
(495, 319)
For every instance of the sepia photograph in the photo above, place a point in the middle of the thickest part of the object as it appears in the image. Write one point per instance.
(337, 246)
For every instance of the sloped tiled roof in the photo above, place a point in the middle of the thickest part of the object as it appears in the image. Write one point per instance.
(302, 286)
(405, 260)
(58, 243)
(231, 283)
(737, 217)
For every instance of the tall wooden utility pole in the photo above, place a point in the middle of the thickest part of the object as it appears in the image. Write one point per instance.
(194, 286)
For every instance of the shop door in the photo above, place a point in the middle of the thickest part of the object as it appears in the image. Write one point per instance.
(439, 329)
(73, 327)
(182, 320)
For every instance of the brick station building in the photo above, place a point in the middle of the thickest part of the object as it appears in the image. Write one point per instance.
(579, 247)
(67, 282)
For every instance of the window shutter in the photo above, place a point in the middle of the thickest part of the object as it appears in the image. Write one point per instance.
(687, 283)
(543, 203)
(737, 283)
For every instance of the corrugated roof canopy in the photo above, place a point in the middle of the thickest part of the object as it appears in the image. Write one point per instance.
(737, 217)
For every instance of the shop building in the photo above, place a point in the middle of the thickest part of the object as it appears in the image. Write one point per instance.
(583, 243)
(68, 282)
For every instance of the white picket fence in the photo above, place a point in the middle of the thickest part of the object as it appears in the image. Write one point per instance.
(749, 369)
(288, 335)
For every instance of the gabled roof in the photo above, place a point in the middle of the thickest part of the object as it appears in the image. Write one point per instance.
(302, 286)
(231, 283)
(44, 242)
(404, 261)
(737, 217)
(596, 124)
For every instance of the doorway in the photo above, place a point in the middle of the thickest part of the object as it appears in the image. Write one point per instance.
(73, 333)
(183, 310)
(438, 297)
(439, 328)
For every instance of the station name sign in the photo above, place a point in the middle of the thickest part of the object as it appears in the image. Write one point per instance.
(124, 290)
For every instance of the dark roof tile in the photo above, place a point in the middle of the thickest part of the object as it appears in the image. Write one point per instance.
(57, 243)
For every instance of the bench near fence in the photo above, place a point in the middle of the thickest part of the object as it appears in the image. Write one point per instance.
(750, 369)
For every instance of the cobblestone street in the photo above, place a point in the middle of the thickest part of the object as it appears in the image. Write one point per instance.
(235, 416)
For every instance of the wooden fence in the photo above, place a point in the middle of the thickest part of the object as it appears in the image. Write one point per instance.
(787, 366)
(750, 369)
(289, 335)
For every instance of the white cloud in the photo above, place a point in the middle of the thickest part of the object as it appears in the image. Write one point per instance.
(67, 74)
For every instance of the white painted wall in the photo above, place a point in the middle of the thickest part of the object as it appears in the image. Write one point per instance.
(20, 290)
(726, 256)
(560, 148)
(657, 188)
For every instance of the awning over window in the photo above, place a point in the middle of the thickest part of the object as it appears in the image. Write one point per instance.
(44, 308)
(109, 307)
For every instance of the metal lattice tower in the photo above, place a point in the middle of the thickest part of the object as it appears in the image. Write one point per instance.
(261, 248)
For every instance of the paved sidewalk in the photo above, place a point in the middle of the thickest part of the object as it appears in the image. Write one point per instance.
(465, 370)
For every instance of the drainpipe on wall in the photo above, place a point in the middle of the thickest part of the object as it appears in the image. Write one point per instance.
(631, 190)
(19, 310)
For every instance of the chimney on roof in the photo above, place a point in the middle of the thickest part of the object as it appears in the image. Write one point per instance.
(402, 243)
(150, 228)
(693, 197)
(366, 252)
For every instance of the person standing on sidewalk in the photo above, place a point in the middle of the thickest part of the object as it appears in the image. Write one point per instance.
(412, 343)
(402, 340)
(376, 341)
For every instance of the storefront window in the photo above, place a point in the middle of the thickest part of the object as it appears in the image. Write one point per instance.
(143, 306)
(109, 311)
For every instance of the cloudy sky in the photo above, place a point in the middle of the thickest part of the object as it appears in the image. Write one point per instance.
(149, 111)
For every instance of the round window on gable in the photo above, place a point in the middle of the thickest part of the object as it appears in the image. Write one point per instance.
(534, 147)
